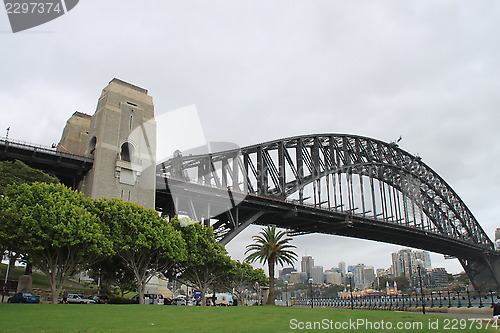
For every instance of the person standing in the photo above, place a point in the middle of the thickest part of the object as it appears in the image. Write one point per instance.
(65, 297)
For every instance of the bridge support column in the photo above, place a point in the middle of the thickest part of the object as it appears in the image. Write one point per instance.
(483, 272)
(122, 141)
(240, 227)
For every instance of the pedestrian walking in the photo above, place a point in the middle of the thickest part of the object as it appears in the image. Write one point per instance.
(65, 297)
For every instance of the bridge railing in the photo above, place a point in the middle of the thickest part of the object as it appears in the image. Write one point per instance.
(6, 142)
(438, 299)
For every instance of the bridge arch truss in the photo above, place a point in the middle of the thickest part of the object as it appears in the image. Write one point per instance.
(360, 178)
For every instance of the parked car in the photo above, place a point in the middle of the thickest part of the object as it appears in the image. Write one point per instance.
(100, 299)
(79, 299)
(24, 298)
(156, 299)
(179, 301)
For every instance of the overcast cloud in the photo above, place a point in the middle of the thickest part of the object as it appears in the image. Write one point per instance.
(263, 70)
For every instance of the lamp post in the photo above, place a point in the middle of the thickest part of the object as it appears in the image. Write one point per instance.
(312, 298)
(468, 296)
(8, 265)
(286, 292)
(349, 276)
(419, 268)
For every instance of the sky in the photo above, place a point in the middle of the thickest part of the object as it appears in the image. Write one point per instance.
(256, 71)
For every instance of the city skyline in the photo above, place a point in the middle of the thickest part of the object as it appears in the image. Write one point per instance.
(409, 269)
(426, 264)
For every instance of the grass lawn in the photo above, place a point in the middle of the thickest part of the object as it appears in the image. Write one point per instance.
(152, 318)
(39, 280)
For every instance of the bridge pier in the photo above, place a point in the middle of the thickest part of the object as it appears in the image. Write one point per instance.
(121, 139)
(483, 272)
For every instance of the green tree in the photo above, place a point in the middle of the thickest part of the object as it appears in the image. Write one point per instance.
(16, 173)
(243, 276)
(50, 224)
(145, 242)
(463, 278)
(207, 263)
(271, 247)
(112, 272)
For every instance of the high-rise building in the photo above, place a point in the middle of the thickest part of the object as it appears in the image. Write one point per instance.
(342, 267)
(401, 263)
(335, 269)
(405, 262)
(333, 277)
(497, 239)
(343, 271)
(295, 277)
(439, 277)
(422, 257)
(358, 276)
(363, 276)
(369, 276)
(306, 265)
(284, 274)
(317, 274)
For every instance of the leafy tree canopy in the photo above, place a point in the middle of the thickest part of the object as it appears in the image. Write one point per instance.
(147, 243)
(45, 216)
(15, 173)
(207, 263)
(50, 224)
(135, 228)
(242, 276)
(247, 274)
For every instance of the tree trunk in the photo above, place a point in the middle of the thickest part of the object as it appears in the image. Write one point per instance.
(203, 297)
(270, 298)
(29, 269)
(12, 264)
(56, 290)
(140, 288)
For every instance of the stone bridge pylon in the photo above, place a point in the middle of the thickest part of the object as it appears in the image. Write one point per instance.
(121, 138)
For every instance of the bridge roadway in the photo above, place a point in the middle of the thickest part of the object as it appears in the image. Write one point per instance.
(69, 168)
(196, 200)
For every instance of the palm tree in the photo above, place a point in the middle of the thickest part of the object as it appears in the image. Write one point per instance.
(271, 246)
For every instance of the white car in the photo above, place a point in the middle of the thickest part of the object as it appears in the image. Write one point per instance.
(79, 299)
(179, 301)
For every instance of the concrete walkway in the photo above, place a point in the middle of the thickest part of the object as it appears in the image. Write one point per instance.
(462, 313)
(459, 315)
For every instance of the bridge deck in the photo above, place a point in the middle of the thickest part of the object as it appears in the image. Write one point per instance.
(68, 167)
(304, 219)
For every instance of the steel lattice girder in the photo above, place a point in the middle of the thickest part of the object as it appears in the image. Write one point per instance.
(313, 157)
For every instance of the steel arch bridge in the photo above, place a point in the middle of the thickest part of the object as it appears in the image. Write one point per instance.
(333, 184)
